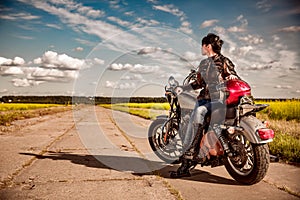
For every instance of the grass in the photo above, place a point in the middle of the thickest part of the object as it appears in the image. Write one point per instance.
(10, 112)
(144, 110)
(283, 110)
(284, 118)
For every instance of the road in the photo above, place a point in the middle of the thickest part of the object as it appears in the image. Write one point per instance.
(94, 153)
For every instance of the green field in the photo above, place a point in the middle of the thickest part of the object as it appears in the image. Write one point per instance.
(284, 118)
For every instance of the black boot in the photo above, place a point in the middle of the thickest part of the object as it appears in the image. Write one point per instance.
(183, 170)
(222, 139)
(195, 146)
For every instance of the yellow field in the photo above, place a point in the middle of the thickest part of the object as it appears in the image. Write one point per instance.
(10, 112)
(23, 106)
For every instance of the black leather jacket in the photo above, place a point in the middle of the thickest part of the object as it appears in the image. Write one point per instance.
(211, 73)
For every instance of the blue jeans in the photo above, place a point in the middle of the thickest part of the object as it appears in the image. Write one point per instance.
(201, 109)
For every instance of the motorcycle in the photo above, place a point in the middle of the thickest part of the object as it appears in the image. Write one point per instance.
(247, 136)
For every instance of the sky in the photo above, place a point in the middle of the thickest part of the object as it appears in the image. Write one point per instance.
(131, 47)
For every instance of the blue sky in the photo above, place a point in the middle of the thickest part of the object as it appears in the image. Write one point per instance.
(129, 48)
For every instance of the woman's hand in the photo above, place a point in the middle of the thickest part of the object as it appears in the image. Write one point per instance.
(231, 77)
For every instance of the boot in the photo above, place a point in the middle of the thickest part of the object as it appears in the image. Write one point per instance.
(222, 139)
(195, 146)
(183, 170)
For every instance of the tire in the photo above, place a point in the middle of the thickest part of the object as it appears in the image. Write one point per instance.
(250, 163)
(169, 151)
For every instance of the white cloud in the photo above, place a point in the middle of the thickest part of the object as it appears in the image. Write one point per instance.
(208, 23)
(119, 21)
(17, 61)
(85, 42)
(51, 59)
(264, 5)
(99, 61)
(24, 82)
(18, 16)
(290, 29)
(119, 67)
(144, 22)
(191, 56)
(53, 67)
(78, 49)
(148, 50)
(244, 50)
(186, 27)
(235, 29)
(170, 8)
(251, 39)
(138, 77)
(136, 68)
(54, 26)
(242, 27)
(122, 86)
(13, 71)
(3, 91)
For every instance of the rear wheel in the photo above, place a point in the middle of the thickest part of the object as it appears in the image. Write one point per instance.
(165, 140)
(250, 162)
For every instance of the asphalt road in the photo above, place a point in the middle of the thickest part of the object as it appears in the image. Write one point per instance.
(92, 153)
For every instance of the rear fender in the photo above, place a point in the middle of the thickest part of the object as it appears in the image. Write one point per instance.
(250, 125)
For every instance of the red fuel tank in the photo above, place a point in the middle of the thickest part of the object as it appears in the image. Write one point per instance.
(237, 89)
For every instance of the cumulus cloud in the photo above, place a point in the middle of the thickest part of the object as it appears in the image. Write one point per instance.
(51, 59)
(208, 23)
(12, 71)
(17, 61)
(52, 67)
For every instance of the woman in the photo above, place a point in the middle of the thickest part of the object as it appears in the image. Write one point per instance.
(211, 73)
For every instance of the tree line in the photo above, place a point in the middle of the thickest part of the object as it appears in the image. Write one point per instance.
(68, 100)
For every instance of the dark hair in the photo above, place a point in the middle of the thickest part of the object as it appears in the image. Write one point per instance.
(215, 42)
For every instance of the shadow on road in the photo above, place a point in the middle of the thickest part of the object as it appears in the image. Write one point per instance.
(132, 164)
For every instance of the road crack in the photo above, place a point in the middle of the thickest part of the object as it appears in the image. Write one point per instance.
(9, 180)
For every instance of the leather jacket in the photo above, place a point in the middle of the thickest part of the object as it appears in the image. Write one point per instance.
(211, 73)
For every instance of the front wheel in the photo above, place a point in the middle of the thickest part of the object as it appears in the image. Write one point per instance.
(250, 162)
(164, 140)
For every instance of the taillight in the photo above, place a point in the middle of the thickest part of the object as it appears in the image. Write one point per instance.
(265, 133)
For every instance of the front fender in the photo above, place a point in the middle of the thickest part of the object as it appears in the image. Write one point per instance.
(250, 125)
(162, 117)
